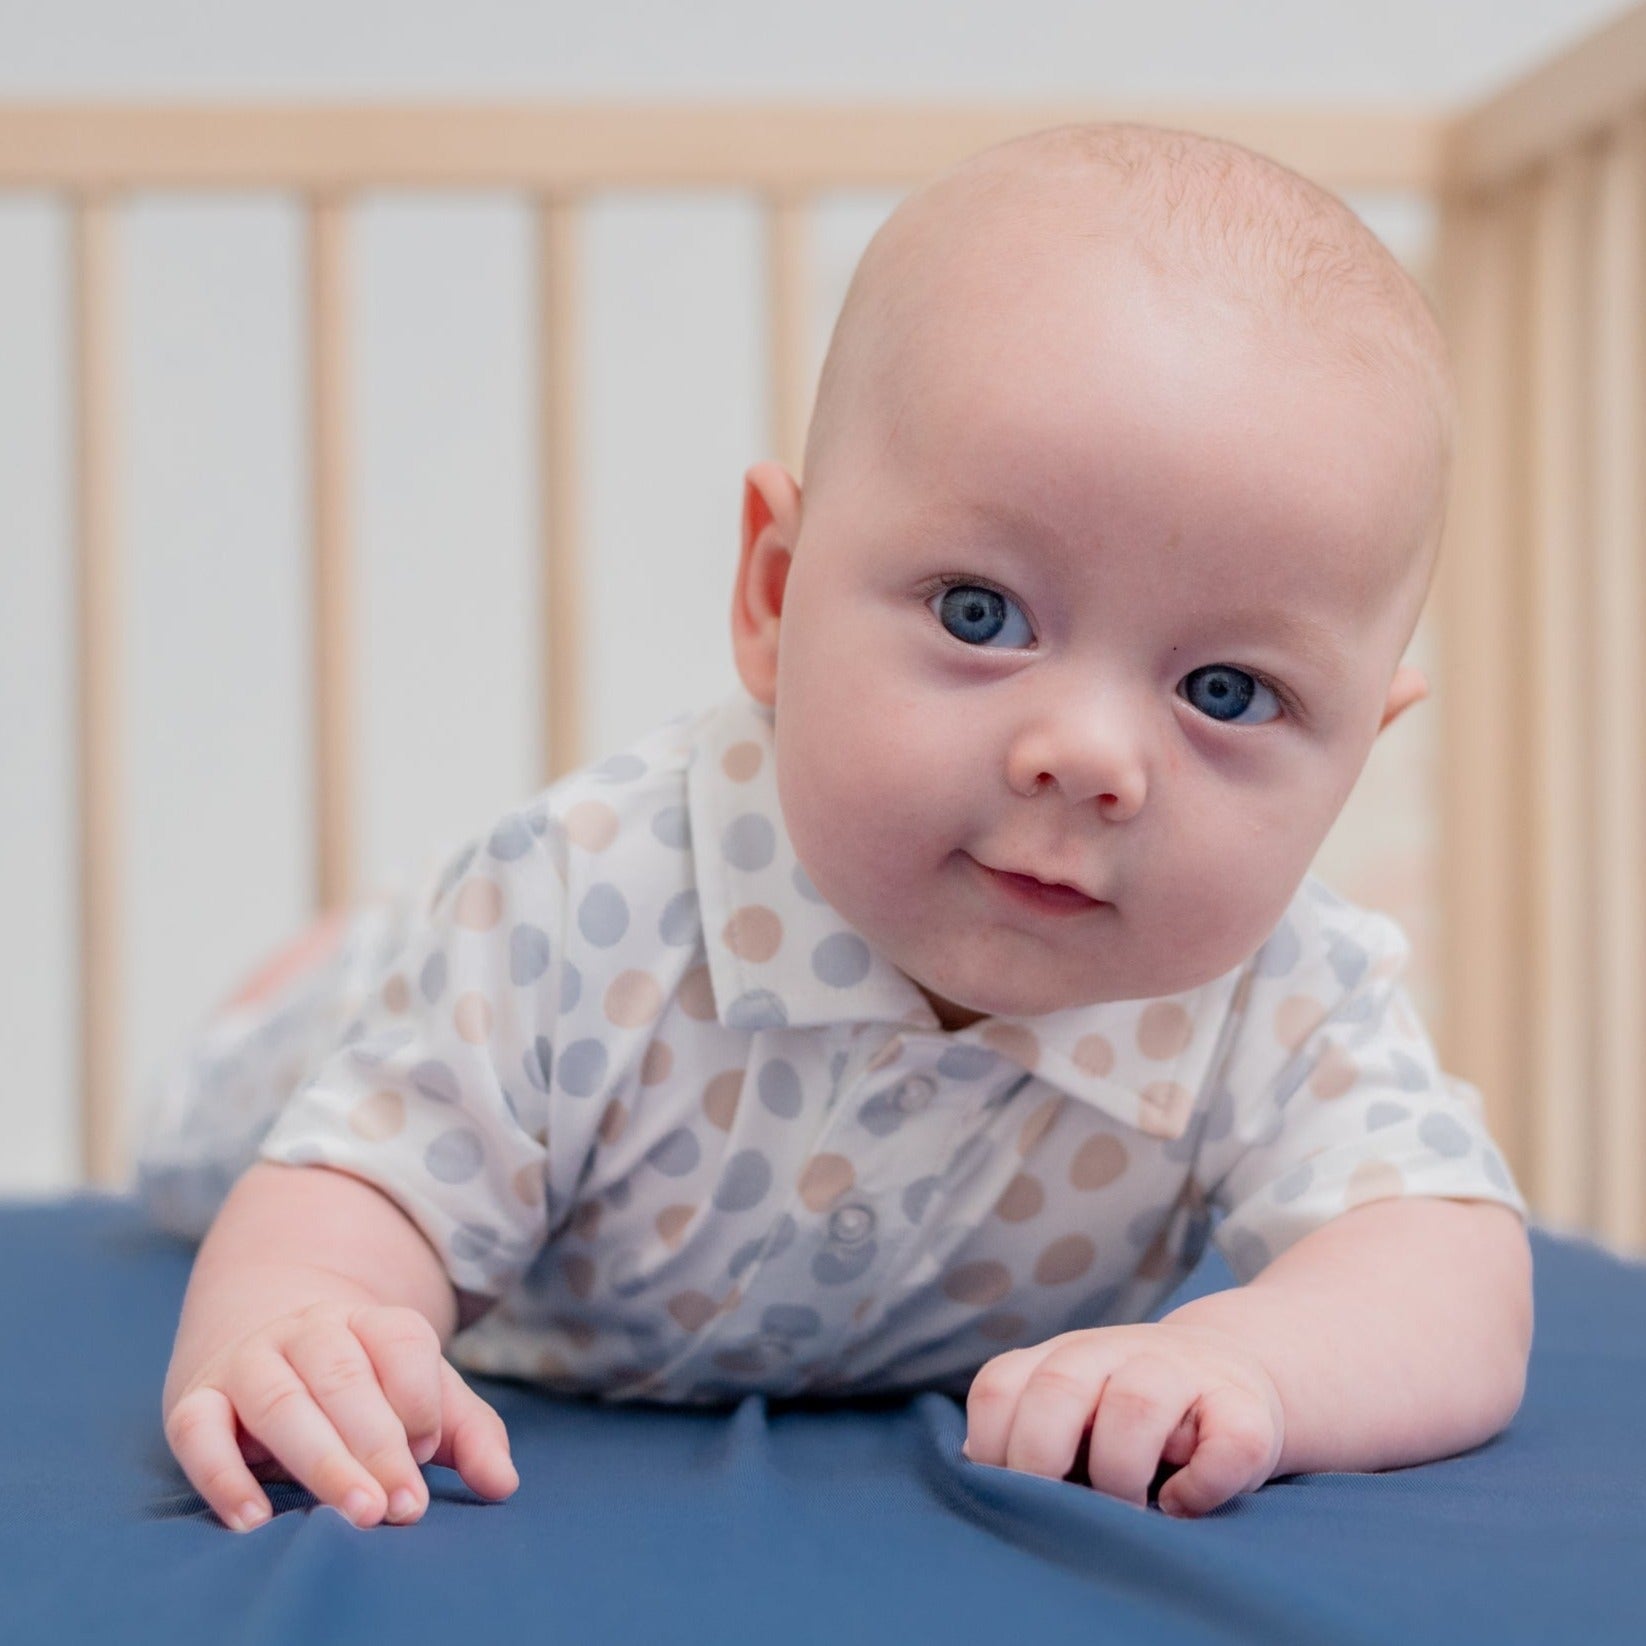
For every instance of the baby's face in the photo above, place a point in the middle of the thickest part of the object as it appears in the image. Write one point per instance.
(1121, 615)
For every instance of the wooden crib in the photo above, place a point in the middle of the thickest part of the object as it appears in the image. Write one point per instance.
(1540, 604)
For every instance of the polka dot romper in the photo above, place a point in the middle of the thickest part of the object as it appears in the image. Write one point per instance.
(637, 1082)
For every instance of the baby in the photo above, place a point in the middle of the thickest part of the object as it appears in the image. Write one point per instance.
(911, 1018)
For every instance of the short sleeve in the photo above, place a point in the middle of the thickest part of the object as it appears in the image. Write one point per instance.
(1332, 1097)
(437, 1091)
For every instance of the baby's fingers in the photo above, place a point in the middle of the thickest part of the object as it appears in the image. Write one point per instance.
(1234, 1453)
(201, 1432)
(473, 1438)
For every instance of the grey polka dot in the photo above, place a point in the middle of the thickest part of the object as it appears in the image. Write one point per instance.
(582, 1067)
(790, 1320)
(918, 1195)
(779, 1088)
(1348, 959)
(1147, 1224)
(757, 1009)
(511, 838)
(434, 1080)
(603, 915)
(537, 820)
(619, 768)
(748, 841)
(571, 985)
(673, 827)
(743, 1185)
(836, 1265)
(783, 1238)
(680, 921)
(965, 1062)
(1496, 1172)
(1280, 954)
(454, 1156)
(841, 959)
(973, 1152)
(473, 1241)
(618, 1194)
(1385, 1113)
(744, 1256)
(1324, 895)
(675, 1153)
(1411, 1074)
(1219, 1113)
(880, 1115)
(1244, 1251)
(624, 1275)
(455, 869)
(528, 954)
(539, 1063)
(803, 885)
(355, 1031)
(1443, 1135)
(432, 979)
(1294, 1182)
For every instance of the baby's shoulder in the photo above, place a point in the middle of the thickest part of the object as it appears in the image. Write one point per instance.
(1327, 945)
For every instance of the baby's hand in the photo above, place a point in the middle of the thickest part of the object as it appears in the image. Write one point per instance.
(346, 1399)
(1144, 1395)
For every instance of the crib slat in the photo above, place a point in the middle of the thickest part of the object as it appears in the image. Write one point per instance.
(99, 668)
(1561, 949)
(1617, 594)
(559, 330)
(787, 307)
(331, 547)
(1481, 691)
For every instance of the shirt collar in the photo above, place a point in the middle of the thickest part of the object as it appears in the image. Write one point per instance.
(780, 956)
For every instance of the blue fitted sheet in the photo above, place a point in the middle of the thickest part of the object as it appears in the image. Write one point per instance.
(789, 1521)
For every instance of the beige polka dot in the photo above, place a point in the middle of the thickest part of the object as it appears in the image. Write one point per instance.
(1164, 1030)
(741, 761)
(1373, 1180)
(720, 1098)
(656, 1065)
(581, 1332)
(696, 994)
(396, 993)
(691, 1310)
(1164, 1107)
(1243, 990)
(753, 932)
(1021, 1198)
(591, 824)
(1335, 1073)
(730, 1301)
(672, 1223)
(614, 1120)
(864, 1304)
(550, 1363)
(1156, 1263)
(1012, 1040)
(1094, 1054)
(1098, 1162)
(527, 1184)
(585, 1221)
(479, 904)
(633, 998)
(1064, 1260)
(824, 1179)
(472, 1017)
(980, 1284)
(1034, 1128)
(378, 1117)
(889, 1053)
(1002, 1328)
(1296, 1018)
(579, 1273)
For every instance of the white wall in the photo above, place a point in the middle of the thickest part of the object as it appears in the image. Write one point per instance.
(218, 865)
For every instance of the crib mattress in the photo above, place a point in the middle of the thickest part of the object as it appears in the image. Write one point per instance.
(789, 1521)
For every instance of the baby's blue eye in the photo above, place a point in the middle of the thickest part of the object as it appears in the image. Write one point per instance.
(1223, 691)
(976, 615)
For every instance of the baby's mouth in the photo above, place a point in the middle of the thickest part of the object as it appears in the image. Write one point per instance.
(1026, 891)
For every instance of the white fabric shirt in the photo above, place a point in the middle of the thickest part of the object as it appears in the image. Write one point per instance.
(635, 1080)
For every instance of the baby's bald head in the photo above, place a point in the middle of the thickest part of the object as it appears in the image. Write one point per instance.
(1230, 229)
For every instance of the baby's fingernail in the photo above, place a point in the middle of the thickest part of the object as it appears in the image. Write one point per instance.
(357, 1506)
(251, 1514)
(402, 1505)
(965, 1448)
(425, 1448)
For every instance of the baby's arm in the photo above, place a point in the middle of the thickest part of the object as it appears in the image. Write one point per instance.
(301, 1321)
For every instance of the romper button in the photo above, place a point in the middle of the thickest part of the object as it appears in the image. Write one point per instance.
(914, 1093)
(850, 1224)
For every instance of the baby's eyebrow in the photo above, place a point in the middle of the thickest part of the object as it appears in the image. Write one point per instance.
(1292, 629)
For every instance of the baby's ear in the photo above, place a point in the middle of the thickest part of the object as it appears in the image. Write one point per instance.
(1408, 687)
(771, 519)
